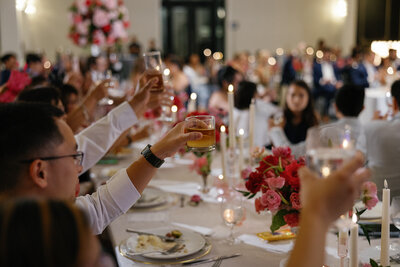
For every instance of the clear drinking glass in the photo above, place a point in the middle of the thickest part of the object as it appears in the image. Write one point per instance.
(204, 124)
(327, 148)
(153, 65)
(232, 212)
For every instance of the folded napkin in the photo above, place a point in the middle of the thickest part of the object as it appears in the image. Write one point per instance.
(199, 229)
(272, 247)
(190, 189)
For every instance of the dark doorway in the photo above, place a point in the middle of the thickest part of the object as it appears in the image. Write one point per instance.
(190, 26)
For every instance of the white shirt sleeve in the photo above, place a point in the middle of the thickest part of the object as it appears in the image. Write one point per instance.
(109, 201)
(97, 139)
(279, 138)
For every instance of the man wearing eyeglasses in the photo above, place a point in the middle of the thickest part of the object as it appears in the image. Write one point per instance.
(39, 157)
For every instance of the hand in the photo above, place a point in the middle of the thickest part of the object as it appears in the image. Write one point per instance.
(174, 140)
(141, 99)
(100, 91)
(271, 123)
(377, 115)
(160, 99)
(331, 197)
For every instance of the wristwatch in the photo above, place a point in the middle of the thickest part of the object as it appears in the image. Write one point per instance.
(151, 158)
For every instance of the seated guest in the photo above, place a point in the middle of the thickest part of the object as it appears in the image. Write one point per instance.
(383, 146)
(54, 233)
(34, 65)
(299, 116)
(326, 80)
(39, 157)
(358, 72)
(69, 97)
(10, 63)
(219, 99)
(48, 95)
(243, 96)
(323, 201)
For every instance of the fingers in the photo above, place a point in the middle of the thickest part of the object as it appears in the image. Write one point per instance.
(191, 136)
(149, 84)
(351, 166)
(306, 175)
(196, 123)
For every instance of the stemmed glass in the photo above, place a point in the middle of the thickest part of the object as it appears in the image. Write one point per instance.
(395, 216)
(106, 101)
(232, 212)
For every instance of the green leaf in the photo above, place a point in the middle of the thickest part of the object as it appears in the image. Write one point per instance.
(244, 193)
(373, 263)
(252, 195)
(360, 212)
(366, 232)
(282, 198)
(278, 221)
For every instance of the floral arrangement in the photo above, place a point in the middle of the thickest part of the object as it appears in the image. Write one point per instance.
(202, 164)
(277, 179)
(98, 22)
(195, 200)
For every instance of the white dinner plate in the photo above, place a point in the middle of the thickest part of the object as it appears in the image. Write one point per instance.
(374, 213)
(193, 242)
(151, 197)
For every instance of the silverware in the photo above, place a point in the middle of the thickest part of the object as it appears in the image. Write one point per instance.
(162, 237)
(217, 263)
(164, 252)
(212, 259)
(182, 201)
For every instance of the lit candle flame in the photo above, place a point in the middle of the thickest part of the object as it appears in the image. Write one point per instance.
(230, 88)
(174, 108)
(345, 143)
(325, 171)
(167, 72)
(221, 177)
(385, 184)
(193, 96)
(223, 129)
(354, 218)
(241, 132)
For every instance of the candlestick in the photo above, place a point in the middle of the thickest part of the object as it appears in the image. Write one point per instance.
(241, 159)
(385, 234)
(232, 134)
(342, 243)
(174, 110)
(354, 242)
(251, 125)
(192, 102)
(223, 149)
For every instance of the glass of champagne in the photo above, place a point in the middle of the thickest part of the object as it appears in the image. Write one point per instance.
(327, 148)
(153, 65)
(232, 212)
(204, 124)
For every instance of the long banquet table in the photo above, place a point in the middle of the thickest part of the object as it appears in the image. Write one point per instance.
(208, 215)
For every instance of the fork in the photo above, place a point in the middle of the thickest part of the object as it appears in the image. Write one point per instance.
(217, 263)
(163, 252)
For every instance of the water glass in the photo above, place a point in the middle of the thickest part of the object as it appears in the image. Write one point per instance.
(204, 124)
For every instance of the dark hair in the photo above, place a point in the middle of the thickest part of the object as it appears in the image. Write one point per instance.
(395, 91)
(27, 131)
(350, 100)
(244, 94)
(7, 56)
(66, 91)
(56, 234)
(226, 74)
(32, 58)
(308, 114)
(173, 59)
(91, 61)
(45, 95)
(38, 80)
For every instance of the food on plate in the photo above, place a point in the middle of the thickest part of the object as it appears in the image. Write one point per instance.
(174, 233)
(146, 242)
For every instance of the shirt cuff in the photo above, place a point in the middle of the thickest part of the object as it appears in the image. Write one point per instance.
(125, 116)
(122, 191)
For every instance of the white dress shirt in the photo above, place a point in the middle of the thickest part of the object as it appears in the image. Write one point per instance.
(328, 73)
(383, 152)
(118, 194)
(109, 201)
(98, 138)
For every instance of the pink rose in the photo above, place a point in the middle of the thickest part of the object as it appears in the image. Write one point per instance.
(370, 201)
(276, 183)
(369, 194)
(118, 30)
(198, 165)
(259, 206)
(112, 15)
(369, 188)
(100, 18)
(295, 200)
(271, 200)
(246, 172)
(83, 27)
(82, 41)
(99, 38)
(82, 7)
(110, 4)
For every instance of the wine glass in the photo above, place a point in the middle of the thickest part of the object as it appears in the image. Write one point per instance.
(153, 65)
(204, 124)
(395, 216)
(232, 212)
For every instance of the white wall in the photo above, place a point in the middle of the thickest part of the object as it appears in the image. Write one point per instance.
(9, 36)
(284, 23)
(262, 24)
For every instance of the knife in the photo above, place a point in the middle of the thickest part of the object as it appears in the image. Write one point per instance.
(211, 259)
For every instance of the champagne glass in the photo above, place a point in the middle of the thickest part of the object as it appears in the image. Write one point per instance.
(153, 65)
(204, 124)
(395, 216)
(106, 101)
(232, 212)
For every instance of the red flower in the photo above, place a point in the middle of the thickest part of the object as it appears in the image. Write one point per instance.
(268, 162)
(195, 198)
(283, 151)
(256, 180)
(107, 28)
(259, 206)
(292, 219)
(126, 24)
(295, 200)
(291, 176)
(88, 2)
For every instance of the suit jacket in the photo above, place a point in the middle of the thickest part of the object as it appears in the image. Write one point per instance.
(317, 76)
(359, 75)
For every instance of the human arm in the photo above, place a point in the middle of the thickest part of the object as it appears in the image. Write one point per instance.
(323, 201)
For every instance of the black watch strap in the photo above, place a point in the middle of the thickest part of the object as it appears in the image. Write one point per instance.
(151, 158)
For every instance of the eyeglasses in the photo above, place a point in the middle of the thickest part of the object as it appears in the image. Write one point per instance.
(78, 158)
